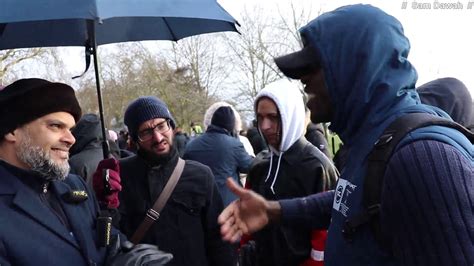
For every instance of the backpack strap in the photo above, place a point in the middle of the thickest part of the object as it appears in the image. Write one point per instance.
(378, 159)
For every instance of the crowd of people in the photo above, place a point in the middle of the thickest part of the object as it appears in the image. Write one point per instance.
(274, 197)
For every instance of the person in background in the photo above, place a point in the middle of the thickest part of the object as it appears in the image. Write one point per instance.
(180, 141)
(449, 95)
(221, 150)
(86, 153)
(196, 130)
(315, 135)
(122, 139)
(237, 128)
(256, 140)
(292, 168)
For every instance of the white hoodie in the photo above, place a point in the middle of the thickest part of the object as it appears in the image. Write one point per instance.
(289, 100)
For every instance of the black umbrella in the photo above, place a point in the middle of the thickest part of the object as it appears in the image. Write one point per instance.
(89, 23)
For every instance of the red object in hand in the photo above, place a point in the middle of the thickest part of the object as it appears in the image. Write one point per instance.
(106, 183)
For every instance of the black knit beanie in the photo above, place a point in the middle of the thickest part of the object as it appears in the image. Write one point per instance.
(144, 109)
(224, 117)
(26, 100)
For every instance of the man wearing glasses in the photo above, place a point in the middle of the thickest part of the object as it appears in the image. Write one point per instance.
(187, 226)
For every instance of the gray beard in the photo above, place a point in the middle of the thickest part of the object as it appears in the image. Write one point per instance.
(40, 161)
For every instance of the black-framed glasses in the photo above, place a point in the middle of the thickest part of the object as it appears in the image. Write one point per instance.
(147, 134)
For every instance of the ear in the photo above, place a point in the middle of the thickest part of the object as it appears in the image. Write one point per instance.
(11, 137)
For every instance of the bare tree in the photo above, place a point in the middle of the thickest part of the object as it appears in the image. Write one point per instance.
(262, 38)
(132, 71)
(9, 59)
(251, 56)
(203, 58)
(291, 18)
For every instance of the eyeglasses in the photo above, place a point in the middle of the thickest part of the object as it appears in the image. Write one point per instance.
(147, 134)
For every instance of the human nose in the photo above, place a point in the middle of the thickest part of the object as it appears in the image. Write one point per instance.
(69, 138)
(157, 135)
(265, 124)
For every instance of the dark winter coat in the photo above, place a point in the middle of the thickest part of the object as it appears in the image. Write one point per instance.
(86, 153)
(257, 141)
(180, 141)
(224, 154)
(303, 170)
(187, 227)
(315, 135)
(32, 234)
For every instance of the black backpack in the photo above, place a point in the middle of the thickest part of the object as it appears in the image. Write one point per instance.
(377, 163)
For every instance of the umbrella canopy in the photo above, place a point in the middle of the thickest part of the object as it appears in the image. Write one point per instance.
(88, 23)
(45, 23)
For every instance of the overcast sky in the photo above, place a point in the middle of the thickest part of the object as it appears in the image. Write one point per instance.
(442, 39)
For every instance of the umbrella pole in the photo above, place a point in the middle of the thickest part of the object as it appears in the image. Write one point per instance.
(105, 144)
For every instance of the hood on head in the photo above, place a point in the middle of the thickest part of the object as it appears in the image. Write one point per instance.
(363, 52)
(451, 96)
(210, 113)
(87, 130)
(289, 101)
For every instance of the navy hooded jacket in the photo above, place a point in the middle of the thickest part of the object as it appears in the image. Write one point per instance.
(86, 153)
(428, 193)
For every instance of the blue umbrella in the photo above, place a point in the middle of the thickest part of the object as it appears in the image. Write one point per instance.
(88, 23)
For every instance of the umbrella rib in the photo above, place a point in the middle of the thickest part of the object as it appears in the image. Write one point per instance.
(169, 28)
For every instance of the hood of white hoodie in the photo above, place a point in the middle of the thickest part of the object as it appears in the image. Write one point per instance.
(289, 100)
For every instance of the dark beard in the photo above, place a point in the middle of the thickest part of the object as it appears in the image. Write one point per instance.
(155, 159)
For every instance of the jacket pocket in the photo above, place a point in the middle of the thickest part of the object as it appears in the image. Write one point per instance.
(190, 218)
(192, 206)
(190, 212)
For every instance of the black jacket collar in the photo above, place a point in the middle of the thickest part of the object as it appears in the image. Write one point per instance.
(295, 153)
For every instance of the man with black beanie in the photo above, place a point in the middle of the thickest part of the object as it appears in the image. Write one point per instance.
(187, 225)
(48, 216)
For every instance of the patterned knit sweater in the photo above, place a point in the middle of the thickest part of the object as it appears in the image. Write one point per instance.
(427, 206)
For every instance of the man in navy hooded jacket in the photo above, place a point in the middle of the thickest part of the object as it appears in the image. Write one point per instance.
(221, 151)
(355, 69)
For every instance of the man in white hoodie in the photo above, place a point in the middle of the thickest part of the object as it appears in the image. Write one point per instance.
(293, 167)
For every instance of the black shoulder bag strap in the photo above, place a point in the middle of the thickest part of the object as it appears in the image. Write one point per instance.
(153, 214)
(377, 163)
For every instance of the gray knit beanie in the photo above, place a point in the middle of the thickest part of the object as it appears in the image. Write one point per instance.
(143, 109)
